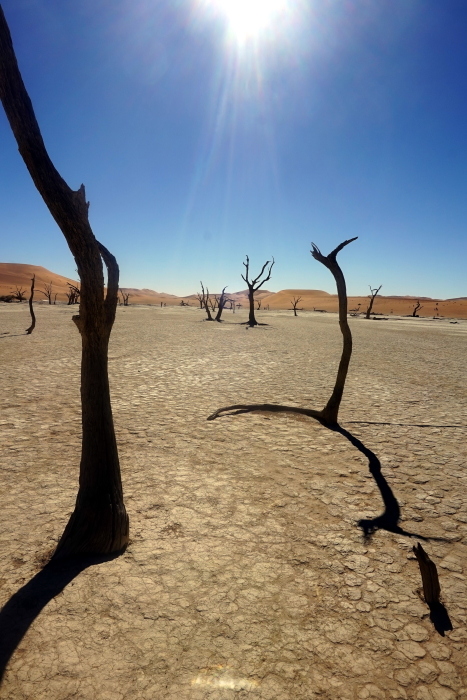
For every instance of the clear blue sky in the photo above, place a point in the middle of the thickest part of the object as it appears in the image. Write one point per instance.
(340, 118)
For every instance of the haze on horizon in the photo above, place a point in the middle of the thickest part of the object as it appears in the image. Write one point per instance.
(205, 130)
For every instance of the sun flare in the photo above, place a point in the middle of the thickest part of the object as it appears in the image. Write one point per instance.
(247, 18)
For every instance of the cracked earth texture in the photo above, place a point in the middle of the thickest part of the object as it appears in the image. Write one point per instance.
(247, 575)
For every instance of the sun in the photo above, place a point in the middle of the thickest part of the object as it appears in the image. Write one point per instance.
(248, 18)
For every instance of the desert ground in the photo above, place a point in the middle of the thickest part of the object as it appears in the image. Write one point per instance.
(249, 573)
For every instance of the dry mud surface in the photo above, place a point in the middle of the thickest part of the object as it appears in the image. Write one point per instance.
(248, 574)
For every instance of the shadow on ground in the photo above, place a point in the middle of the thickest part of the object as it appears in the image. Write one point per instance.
(27, 603)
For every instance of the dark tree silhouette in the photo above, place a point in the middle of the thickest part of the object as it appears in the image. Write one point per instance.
(258, 304)
(253, 286)
(47, 292)
(206, 302)
(221, 303)
(372, 298)
(295, 302)
(416, 308)
(73, 294)
(330, 412)
(125, 297)
(99, 522)
(19, 294)
(31, 310)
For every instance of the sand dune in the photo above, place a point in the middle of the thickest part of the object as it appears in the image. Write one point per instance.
(14, 275)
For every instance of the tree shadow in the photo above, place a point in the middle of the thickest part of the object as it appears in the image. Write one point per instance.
(18, 614)
(390, 517)
(440, 618)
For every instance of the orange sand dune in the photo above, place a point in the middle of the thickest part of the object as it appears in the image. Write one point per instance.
(398, 306)
(15, 274)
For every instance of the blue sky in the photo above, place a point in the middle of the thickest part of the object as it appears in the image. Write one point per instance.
(340, 118)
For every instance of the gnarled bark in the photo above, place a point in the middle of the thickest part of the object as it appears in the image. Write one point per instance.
(99, 523)
(330, 412)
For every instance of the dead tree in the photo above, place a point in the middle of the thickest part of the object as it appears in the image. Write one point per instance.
(206, 302)
(99, 522)
(416, 308)
(258, 304)
(73, 294)
(372, 298)
(356, 311)
(55, 298)
(253, 286)
(295, 302)
(125, 297)
(330, 412)
(221, 303)
(200, 300)
(47, 292)
(31, 310)
(19, 294)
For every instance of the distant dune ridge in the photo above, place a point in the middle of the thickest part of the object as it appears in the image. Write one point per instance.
(14, 275)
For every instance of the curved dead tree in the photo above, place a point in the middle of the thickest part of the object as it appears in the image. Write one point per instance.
(221, 302)
(31, 310)
(330, 412)
(99, 523)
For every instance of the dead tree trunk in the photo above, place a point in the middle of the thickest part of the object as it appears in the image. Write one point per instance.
(31, 310)
(295, 302)
(206, 302)
(99, 523)
(221, 302)
(372, 298)
(47, 292)
(253, 286)
(416, 308)
(330, 412)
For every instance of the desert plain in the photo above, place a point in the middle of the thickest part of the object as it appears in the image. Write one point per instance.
(250, 573)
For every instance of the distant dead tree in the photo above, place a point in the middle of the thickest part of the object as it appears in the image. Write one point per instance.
(372, 298)
(416, 308)
(356, 311)
(200, 300)
(253, 286)
(73, 294)
(125, 297)
(19, 294)
(47, 292)
(258, 304)
(295, 302)
(330, 412)
(206, 302)
(31, 310)
(184, 303)
(222, 301)
(99, 522)
(55, 298)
